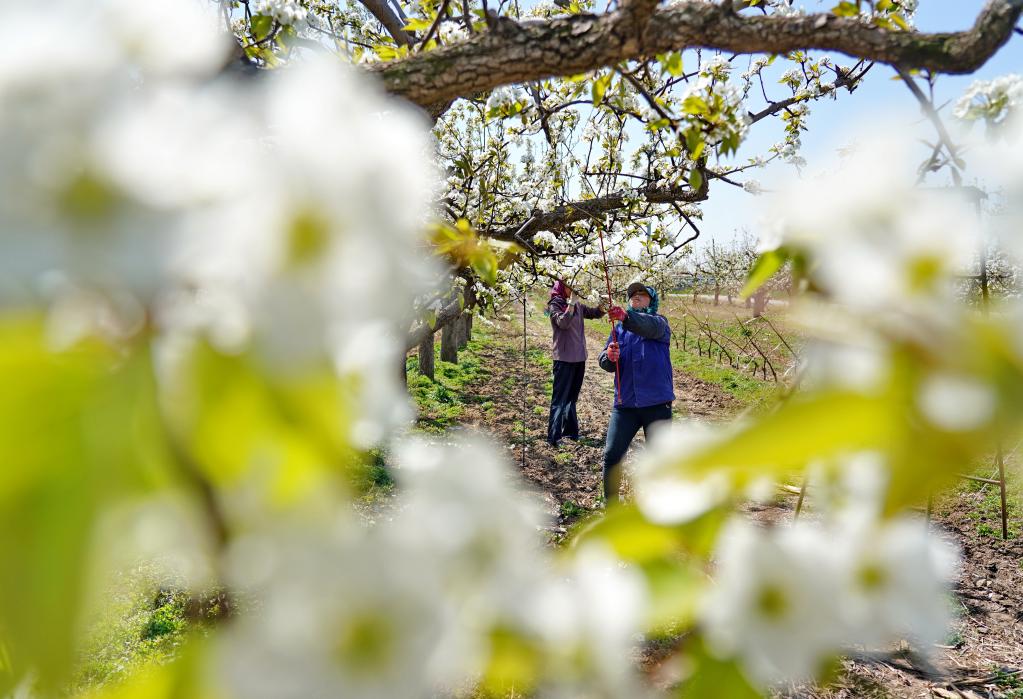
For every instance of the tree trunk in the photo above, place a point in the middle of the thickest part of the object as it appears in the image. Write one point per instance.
(426, 357)
(759, 303)
(468, 326)
(462, 328)
(449, 342)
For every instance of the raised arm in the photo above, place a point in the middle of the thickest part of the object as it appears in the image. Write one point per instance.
(652, 327)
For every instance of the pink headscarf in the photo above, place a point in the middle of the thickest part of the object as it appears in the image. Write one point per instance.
(559, 290)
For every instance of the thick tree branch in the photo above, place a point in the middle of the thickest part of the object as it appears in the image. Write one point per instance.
(517, 53)
(571, 212)
(394, 26)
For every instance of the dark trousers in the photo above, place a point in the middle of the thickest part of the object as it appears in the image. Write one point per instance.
(568, 380)
(625, 423)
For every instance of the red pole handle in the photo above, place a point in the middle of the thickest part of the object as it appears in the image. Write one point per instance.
(614, 331)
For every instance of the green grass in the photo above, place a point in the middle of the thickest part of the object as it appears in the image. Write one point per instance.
(142, 619)
(372, 479)
(440, 402)
(987, 510)
(570, 510)
(1010, 684)
(564, 458)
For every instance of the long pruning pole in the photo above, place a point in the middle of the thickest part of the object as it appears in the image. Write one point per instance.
(610, 302)
(525, 378)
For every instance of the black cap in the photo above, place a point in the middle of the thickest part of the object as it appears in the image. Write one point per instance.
(635, 287)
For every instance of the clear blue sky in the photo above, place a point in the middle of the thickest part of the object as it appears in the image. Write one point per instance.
(879, 100)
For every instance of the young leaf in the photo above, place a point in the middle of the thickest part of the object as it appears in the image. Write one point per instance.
(763, 269)
(599, 88)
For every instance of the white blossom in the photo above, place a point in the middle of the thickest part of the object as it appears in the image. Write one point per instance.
(344, 612)
(287, 12)
(502, 97)
(773, 602)
(452, 32)
(992, 100)
(956, 403)
(877, 242)
(665, 493)
(788, 599)
(896, 584)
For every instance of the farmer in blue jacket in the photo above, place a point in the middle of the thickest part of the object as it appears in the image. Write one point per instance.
(644, 384)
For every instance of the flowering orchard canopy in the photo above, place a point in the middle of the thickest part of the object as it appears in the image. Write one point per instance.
(556, 119)
(207, 279)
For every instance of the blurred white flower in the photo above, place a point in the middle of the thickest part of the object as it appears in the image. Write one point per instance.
(897, 579)
(664, 493)
(589, 619)
(991, 100)
(345, 613)
(788, 599)
(956, 403)
(874, 241)
(464, 503)
(773, 602)
(166, 530)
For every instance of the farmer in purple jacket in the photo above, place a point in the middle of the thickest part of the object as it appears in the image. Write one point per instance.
(644, 383)
(569, 341)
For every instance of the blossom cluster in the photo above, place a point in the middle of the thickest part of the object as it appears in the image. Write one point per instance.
(137, 188)
(994, 101)
(419, 601)
(287, 12)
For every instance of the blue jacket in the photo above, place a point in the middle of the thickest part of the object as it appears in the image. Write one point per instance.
(644, 341)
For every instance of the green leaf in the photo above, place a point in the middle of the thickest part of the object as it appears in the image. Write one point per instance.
(899, 21)
(79, 430)
(694, 104)
(694, 141)
(484, 263)
(673, 64)
(763, 269)
(805, 429)
(845, 9)
(284, 440)
(658, 124)
(261, 26)
(418, 24)
(635, 539)
(695, 178)
(711, 677)
(599, 88)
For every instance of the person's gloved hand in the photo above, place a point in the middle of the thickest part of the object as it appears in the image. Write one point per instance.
(616, 313)
(613, 352)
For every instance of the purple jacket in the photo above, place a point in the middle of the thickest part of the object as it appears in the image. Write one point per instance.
(569, 339)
